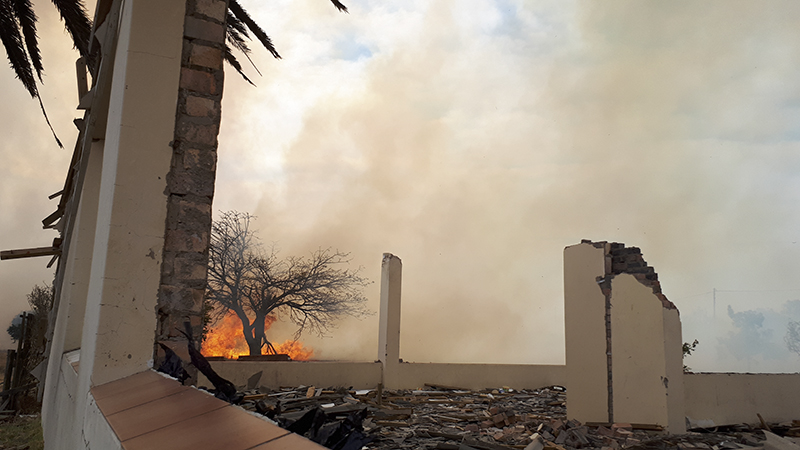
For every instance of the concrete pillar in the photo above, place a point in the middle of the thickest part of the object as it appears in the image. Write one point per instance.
(120, 319)
(585, 329)
(389, 320)
(624, 356)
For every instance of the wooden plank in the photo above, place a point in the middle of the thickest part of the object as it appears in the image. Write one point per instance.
(29, 252)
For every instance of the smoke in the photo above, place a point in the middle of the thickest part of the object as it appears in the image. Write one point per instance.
(477, 139)
(33, 166)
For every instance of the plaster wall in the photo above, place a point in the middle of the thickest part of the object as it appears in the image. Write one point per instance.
(478, 376)
(69, 320)
(61, 430)
(120, 319)
(584, 315)
(715, 399)
(638, 353)
(77, 280)
(367, 375)
(97, 433)
(359, 375)
(673, 356)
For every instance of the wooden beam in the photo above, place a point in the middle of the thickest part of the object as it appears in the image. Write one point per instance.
(29, 252)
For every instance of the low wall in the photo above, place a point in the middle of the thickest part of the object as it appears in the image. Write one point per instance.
(479, 376)
(359, 375)
(367, 375)
(64, 427)
(714, 399)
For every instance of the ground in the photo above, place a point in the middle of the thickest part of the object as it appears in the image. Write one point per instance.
(21, 433)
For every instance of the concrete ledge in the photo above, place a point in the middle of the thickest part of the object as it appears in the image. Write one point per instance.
(148, 411)
(479, 376)
(714, 399)
(359, 375)
(367, 375)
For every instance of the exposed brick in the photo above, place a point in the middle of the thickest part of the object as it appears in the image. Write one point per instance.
(202, 55)
(199, 159)
(201, 107)
(167, 265)
(196, 133)
(175, 299)
(203, 29)
(187, 268)
(170, 322)
(197, 81)
(191, 183)
(186, 241)
(215, 9)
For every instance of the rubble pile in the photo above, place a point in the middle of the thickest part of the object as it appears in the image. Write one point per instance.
(439, 417)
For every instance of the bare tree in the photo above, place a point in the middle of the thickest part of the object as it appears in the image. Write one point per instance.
(312, 292)
(792, 337)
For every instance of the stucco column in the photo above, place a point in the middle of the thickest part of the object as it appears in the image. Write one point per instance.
(389, 321)
(585, 328)
(120, 318)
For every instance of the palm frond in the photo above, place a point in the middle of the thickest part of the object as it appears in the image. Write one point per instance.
(230, 59)
(237, 35)
(73, 13)
(242, 15)
(339, 5)
(15, 50)
(44, 113)
(27, 21)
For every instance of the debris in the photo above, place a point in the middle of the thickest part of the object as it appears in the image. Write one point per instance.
(775, 442)
(172, 365)
(224, 389)
(252, 382)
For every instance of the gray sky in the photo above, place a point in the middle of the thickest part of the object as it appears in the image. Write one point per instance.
(477, 139)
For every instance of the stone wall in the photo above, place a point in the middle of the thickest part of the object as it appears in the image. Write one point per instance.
(190, 182)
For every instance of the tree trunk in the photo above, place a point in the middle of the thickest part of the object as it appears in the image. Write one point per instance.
(251, 337)
(258, 335)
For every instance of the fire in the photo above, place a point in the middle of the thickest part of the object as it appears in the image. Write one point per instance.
(226, 339)
(295, 350)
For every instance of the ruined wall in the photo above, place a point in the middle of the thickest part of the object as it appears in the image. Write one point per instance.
(190, 182)
(585, 333)
(623, 339)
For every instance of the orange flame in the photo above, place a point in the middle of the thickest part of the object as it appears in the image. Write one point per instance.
(226, 339)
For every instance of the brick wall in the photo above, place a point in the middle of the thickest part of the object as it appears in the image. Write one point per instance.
(190, 182)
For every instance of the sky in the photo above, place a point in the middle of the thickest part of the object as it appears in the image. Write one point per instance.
(476, 139)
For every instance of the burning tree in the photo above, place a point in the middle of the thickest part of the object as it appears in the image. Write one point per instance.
(256, 286)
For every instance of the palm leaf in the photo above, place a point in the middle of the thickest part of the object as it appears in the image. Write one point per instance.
(73, 13)
(230, 59)
(15, 51)
(242, 15)
(27, 21)
(236, 35)
(339, 5)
